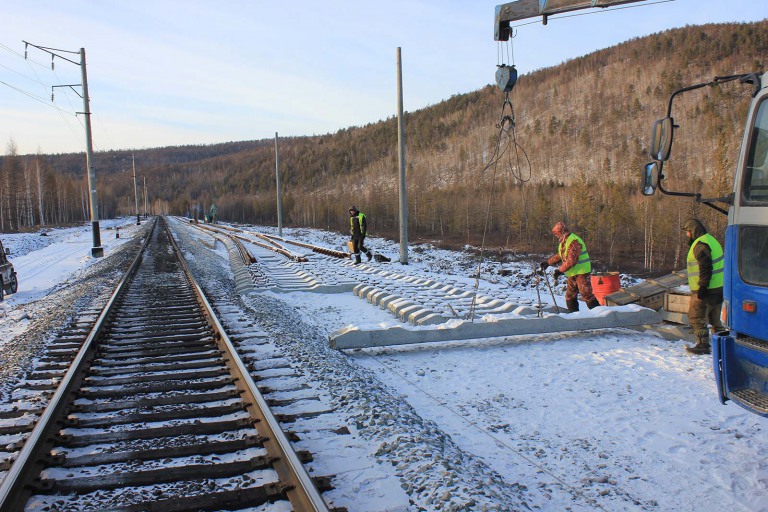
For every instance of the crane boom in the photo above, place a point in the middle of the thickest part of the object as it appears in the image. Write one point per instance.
(523, 9)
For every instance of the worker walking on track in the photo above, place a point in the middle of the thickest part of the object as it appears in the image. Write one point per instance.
(358, 228)
(705, 265)
(575, 264)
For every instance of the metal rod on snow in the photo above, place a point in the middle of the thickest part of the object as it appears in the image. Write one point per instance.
(536, 277)
(546, 280)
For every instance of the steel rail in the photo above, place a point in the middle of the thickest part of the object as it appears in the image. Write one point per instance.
(304, 495)
(314, 248)
(11, 490)
(274, 247)
(272, 239)
(294, 483)
(245, 254)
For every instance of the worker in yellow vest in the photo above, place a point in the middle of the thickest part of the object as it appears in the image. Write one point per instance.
(706, 264)
(358, 229)
(575, 264)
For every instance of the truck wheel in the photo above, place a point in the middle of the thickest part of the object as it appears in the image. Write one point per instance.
(14, 286)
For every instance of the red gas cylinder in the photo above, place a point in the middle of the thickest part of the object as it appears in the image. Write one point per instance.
(605, 284)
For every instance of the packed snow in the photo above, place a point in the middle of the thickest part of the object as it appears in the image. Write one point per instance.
(615, 419)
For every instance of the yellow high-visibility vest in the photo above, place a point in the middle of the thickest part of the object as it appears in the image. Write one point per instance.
(718, 263)
(584, 264)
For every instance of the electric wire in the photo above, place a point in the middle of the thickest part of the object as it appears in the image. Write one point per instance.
(22, 75)
(69, 101)
(44, 101)
(37, 79)
(102, 129)
(21, 55)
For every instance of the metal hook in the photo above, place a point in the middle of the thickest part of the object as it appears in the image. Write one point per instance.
(506, 119)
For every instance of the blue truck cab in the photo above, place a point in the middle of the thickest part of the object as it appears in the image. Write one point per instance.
(741, 353)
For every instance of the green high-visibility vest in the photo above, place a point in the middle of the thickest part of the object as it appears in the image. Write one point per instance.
(584, 264)
(718, 263)
(360, 216)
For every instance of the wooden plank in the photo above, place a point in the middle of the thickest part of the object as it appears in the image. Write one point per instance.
(677, 302)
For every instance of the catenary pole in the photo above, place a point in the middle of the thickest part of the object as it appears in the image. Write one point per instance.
(146, 213)
(136, 192)
(277, 182)
(97, 250)
(401, 162)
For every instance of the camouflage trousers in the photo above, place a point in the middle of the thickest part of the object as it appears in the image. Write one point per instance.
(702, 312)
(357, 244)
(579, 284)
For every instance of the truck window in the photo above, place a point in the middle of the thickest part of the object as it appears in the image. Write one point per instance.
(753, 253)
(755, 184)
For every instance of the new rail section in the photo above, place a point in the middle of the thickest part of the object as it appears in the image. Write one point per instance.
(157, 411)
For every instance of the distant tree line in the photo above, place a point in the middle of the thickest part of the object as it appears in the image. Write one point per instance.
(31, 194)
(581, 127)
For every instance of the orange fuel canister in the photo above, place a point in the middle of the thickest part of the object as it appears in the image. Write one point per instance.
(605, 284)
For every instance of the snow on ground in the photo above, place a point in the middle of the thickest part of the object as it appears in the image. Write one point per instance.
(48, 259)
(603, 420)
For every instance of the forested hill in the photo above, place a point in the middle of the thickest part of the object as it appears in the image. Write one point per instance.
(582, 132)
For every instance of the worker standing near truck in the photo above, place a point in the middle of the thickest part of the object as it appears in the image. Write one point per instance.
(705, 265)
(575, 264)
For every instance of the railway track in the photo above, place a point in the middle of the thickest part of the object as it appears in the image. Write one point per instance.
(157, 411)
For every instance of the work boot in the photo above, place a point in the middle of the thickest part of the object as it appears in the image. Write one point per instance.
(370, 255)
(572, 305)
(592, 304)
(357, 259)
(701, 347)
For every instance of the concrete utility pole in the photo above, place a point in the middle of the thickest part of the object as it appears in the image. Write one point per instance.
(97, 251)
(401, 162)
(145, 197)
(277, 180)
(136, 192)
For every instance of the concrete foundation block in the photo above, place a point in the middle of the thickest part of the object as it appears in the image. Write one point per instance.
(600, 318)
(432, 319)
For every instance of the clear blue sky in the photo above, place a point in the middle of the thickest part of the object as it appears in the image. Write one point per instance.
(177, 72)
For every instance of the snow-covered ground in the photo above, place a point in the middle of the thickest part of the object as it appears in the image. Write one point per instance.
(604, 420)
(49, 259)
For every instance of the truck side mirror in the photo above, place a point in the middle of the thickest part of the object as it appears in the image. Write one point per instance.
(661, 139)
(650, 178)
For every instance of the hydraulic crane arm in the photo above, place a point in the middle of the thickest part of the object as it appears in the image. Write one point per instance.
(523, 9)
